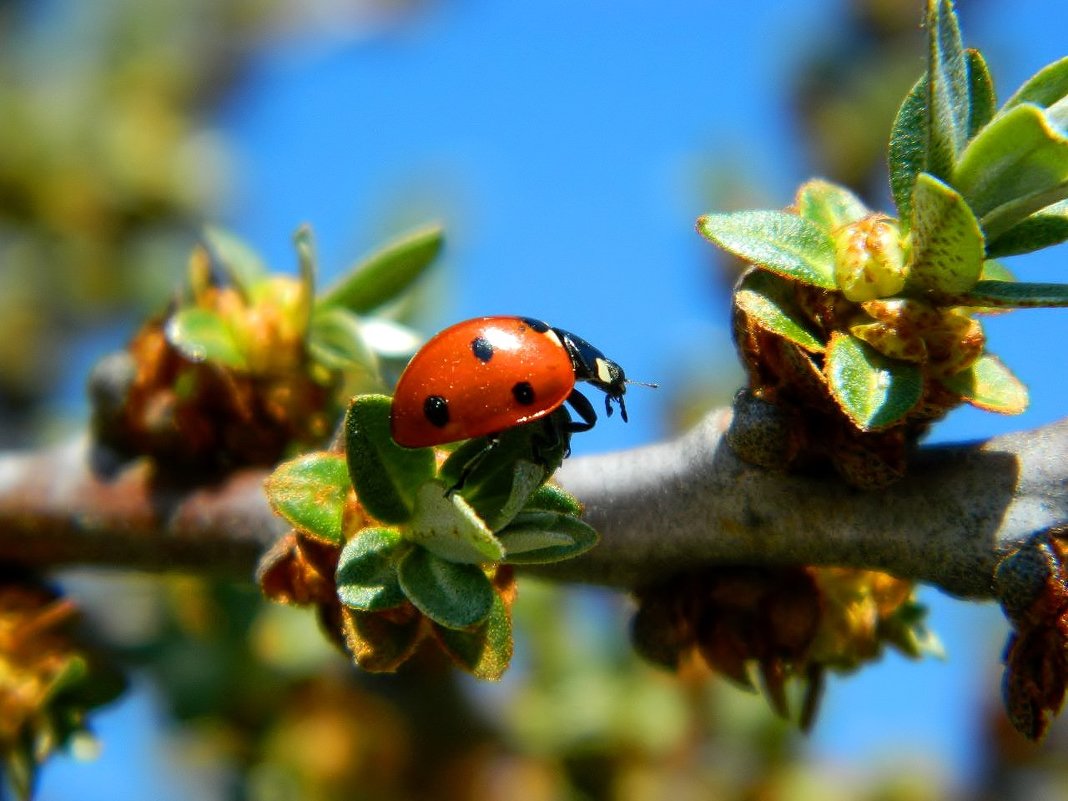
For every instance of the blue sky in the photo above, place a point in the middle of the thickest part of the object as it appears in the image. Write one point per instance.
(561, 144)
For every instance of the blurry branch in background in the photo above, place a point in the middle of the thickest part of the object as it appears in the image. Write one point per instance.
(661, 509)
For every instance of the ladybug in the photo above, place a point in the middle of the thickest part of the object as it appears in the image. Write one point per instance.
(483, 376)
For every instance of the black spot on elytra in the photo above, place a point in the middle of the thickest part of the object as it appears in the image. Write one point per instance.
(523, 393)
(436, 410)
(483, 350)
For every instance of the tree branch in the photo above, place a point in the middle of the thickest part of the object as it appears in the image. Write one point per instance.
(661, 509)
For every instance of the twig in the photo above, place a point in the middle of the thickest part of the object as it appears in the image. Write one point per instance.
(661, 509)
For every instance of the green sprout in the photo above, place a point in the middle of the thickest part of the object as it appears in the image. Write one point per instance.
(865, 321)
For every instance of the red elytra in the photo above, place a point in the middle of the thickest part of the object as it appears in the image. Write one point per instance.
(480, 377)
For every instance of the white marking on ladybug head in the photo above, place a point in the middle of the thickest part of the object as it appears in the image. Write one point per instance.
(605, 373)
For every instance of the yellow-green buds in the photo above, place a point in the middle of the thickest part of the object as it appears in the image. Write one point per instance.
(869, 259)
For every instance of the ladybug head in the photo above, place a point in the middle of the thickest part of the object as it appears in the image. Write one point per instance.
(595, 368)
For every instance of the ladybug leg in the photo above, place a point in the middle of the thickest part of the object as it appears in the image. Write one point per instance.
(472, 464)
(581, 404)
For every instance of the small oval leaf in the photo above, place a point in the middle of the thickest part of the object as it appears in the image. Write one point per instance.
(310, 492)
(203, 336)
(553, 498)
(485, 651)
(766, 300)
(453, 595)
(336, 341)
(1015, 166)
(542, 537)
(990, 385)
(783, 243)
(386, 273)
(908, 149)
(367, 570)
(448, 527)
(381, 643)
(385, 475)
(947, 243)
(873, 391)
(1042, 229)
(1045, 87)
(1014, 295)
(829, 205)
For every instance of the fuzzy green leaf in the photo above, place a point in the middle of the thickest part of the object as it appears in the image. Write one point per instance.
(367, 570)
(542, 537)
(829, 205)
(448, 527)
(990, 385)
(335, 340)
(485, 651)
(240, 262)
(453, 595)
(767, 300)
(310, 493)
(386, 273)
(203, 336)
(552, 498)
(948, 91)
(380, 643)
(872, 390)
(783, 243)
(947, 244)
(1015, 166)
(1014, 295)
(1042, 229)
(1044, 88)
(908, 149)
(983, 97)
(385, 475)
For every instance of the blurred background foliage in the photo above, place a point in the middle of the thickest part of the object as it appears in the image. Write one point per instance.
(109, 163)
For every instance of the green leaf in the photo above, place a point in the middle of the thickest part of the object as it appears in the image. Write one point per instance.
(990, 385)
(1014, 295)
(1042, 229)
(873, 391)
(485, 651)
(996, 271)
(552, 498)
(310, 493)
(386, 273)
(305, 245)
(241, 263)
(453, 595)
(768, 301)
(948, 90)
(203, 336)
(783, 243)
(448, 527)
(829, 205)
(335, 340)
(542, 537)
(1044, 88)
(983, 97)
(947, 243)
(1015, 166)
(385, 475)
(367, 570)
(380, 643)
(499, 480)
(908, 149)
